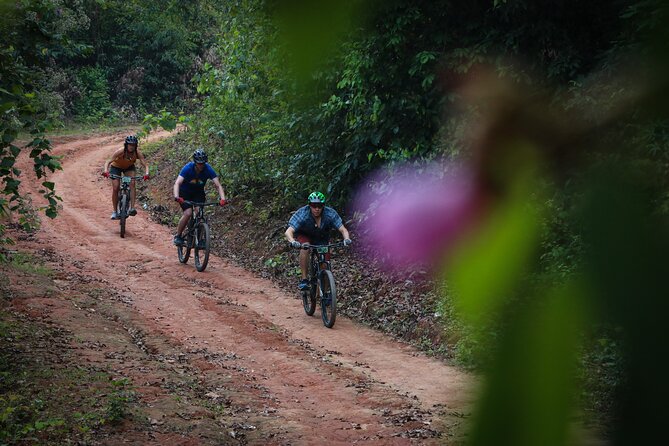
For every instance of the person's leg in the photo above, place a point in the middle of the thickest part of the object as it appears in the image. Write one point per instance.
(133, 193)
(115, 185)
(304, 262)
(183, 221)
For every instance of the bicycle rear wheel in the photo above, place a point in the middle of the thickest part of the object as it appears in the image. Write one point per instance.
(328, 294)
(201, 246)
(123, 212)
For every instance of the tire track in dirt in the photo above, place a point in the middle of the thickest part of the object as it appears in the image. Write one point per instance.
(335, 386)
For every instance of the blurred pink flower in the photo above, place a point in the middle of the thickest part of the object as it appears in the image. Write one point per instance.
(413, 216)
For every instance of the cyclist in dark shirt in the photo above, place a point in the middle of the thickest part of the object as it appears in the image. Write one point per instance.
(312, 224)
(189, 185)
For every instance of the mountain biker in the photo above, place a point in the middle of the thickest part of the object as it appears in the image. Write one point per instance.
(123, 161)
(189, 185)
(312, 224)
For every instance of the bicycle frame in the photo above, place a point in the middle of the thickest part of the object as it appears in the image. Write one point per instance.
(320, 275)
(318, 255)
(198, 215)
(126, 181)
(197, 236)
(124, 197)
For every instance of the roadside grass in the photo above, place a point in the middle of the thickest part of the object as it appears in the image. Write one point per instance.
(46, 400)
(46, 397)
(29, 264)
(78, 128)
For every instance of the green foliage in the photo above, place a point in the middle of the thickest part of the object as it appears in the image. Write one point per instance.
(94, 104)
(21, 56)
(27, 263)
(149, 50)
(118, 401)
(165, 120)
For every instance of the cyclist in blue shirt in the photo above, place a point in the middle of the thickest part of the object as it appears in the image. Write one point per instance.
(312, 224)
(190, 186)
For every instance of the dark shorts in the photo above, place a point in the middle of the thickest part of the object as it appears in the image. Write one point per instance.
(118, 171)
(305, 239)
(197, 196)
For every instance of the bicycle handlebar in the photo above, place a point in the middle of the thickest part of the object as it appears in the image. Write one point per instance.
(135, 177)
(330, 245)
(195, 203)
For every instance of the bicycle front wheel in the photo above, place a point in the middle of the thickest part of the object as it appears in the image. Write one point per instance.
(201, 246)
(309, 299)
(328, 295)
(122, 212)
(184, 250)
(309, 295)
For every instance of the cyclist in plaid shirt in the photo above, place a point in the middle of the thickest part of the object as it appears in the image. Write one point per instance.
(312, 224)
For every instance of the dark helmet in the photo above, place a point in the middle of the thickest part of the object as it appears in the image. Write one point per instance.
(199, 156)
(131, 139)
(316, 197)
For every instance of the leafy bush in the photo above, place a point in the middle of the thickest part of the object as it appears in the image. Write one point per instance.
(94, 104)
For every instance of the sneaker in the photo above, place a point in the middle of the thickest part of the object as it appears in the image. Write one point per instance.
(178, 240)
(132, 212)
(303, 285)
(114, 215)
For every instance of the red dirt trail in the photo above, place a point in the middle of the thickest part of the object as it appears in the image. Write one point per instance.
(310, 384)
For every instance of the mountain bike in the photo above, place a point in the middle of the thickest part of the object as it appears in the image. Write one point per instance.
(123, 207)
(196, 237)
(321, 283)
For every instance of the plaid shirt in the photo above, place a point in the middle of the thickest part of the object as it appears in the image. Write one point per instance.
(304, 223)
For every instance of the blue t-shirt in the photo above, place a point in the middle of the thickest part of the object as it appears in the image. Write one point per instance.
(194, 182)
(304, 223)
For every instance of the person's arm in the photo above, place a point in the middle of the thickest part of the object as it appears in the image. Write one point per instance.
(115, 155)
(290, 234)
(344, 232)
(221, 192)
(141, 158)
(177, 184)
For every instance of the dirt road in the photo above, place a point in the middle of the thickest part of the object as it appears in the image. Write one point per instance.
(247, 345)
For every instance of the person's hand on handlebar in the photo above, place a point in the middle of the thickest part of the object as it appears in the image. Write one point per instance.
(146, 177)
(179, 200)
(295, 244)
(105, 174)
(347, 242)
(223, 202)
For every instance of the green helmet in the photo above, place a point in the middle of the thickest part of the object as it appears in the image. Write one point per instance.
(316, 197)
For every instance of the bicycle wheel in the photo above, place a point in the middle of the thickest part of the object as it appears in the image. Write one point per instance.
(328, 294)
(122, 212)
(201, 246)
(184, 251)
(309, 295)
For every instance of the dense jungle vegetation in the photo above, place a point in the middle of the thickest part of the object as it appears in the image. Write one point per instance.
(561, 105)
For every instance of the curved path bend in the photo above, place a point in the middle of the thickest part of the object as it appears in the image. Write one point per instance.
(303, 373)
